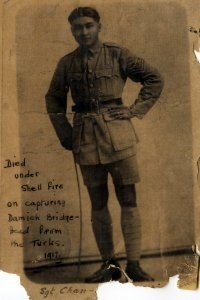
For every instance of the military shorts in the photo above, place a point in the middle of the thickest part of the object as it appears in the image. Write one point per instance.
(123, 172)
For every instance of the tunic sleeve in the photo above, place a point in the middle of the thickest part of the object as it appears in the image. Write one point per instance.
(152, 82)
(56, 104)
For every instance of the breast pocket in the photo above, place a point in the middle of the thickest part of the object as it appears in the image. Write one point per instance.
(106, 80)
(121, 133)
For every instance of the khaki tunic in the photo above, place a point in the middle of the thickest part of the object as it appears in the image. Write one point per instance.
(99, 74)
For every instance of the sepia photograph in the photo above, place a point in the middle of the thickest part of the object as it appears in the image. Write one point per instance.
(99, 151)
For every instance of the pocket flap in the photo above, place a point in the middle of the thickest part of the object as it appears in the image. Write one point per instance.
(103, 73)
(75, 76)
(121, 133)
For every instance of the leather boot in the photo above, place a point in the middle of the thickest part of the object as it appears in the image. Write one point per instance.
(105, 273)
(135, 272)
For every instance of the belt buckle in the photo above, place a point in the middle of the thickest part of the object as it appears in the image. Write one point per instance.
(94, 105)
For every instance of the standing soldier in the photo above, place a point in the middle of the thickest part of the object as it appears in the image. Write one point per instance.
(102, 138)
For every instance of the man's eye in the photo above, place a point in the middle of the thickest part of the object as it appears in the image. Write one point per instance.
(77, 27)
(89, 25)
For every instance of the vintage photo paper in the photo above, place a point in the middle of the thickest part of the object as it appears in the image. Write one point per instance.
(56, 229)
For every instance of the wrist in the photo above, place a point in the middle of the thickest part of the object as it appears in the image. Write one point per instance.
(134, 112)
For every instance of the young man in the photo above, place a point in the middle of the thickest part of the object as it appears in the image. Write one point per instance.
(102, 138)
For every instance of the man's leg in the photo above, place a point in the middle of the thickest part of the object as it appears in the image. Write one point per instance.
(125, 175)
(95, 178)
(131, 229)
(130, 220)
(102, 228)
(101, 220)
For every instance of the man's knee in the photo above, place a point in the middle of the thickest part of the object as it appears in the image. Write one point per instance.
(98, 196)
(126, 195)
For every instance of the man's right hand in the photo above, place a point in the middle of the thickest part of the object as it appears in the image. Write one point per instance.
(120, 113)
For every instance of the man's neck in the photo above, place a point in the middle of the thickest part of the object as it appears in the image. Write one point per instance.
(94, 46)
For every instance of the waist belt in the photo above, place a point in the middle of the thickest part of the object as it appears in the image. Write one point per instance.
(95, 105)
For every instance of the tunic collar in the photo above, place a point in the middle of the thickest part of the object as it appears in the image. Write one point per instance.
(92, 51)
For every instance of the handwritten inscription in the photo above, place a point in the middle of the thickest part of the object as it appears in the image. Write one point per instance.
(28, 188)
(17, 244)
(49, 242)
(39, 187)
(44, 230)
(27, 174)
(20, 231)
(51, 185)
(36, 217)
(14, 218)
(45, 204)
(41, 224)
(50, 291)
(14, 163)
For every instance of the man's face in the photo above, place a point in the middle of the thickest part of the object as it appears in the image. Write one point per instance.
(85, 31)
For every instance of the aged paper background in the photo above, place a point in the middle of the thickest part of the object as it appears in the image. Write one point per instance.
(35, 36)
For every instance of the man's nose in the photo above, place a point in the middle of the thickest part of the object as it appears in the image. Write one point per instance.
(84, 30)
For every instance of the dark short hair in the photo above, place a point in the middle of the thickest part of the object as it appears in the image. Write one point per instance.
(84, 12)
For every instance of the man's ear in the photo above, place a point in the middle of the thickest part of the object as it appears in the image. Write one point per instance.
(99, 27)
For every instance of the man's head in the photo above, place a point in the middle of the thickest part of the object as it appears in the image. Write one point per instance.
(85, 25)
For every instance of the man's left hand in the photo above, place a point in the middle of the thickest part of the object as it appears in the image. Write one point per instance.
(121, 113)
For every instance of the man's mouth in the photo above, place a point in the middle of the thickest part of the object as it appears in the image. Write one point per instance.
(85, 38)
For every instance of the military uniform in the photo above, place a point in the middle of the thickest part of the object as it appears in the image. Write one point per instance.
(101, 143)
(96, 79)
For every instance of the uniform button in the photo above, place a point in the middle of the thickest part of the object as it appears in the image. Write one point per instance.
(91, 84)
(90, 70)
